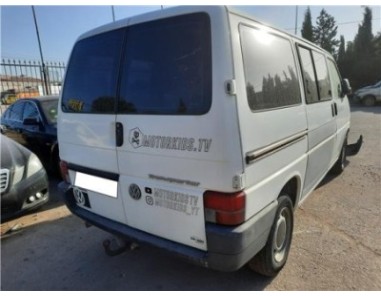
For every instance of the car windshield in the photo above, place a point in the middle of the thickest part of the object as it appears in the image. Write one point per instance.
(378, 84)
(50, 110)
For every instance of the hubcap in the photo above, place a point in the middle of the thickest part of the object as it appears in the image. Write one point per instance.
(280, 236)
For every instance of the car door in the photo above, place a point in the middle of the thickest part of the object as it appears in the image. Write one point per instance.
(86, 121)
(165, 96)
(32, 125)
(341, 109)
(12, 122)
(320, 116)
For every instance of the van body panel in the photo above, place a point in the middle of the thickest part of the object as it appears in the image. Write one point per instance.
(88, 138)
(164, 206)
(264, 178)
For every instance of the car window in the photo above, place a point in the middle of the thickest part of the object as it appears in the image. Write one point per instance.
(324, 84)
(91, 79)
(270, 70)
(16, 113)
(309, 78)
(30, 111)
(167, 67)
(335, 79)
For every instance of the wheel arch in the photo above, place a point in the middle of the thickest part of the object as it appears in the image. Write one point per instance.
(293, 189)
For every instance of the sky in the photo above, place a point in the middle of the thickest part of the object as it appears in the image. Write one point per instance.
(61, 25)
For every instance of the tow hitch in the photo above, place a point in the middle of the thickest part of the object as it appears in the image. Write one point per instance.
(117, 245)
(353, 149)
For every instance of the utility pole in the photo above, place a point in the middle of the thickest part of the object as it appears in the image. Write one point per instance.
(296, 19)
(113, 13)
(42, 57)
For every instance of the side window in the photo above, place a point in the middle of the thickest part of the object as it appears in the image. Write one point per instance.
(91, 78)
(270, 71)
(335, 79)
(322, 76)
(30, 111)
(309, 79)
(16, 112)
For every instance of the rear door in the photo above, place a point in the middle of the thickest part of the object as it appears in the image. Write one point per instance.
(87, 124)
(164, 102)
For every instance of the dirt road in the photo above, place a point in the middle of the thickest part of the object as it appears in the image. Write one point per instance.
(336, 243)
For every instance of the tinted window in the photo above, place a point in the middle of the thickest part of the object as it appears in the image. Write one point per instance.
(90, 82)
(16, 113)
(30, 111)
(322, 76)
(335, 79)
(310, 87)
(270, 73)
(167, 67)
(50, 110)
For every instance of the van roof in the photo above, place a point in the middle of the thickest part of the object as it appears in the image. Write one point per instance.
(178, 10)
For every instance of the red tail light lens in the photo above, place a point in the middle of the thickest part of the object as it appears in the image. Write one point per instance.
(64, 171)
(225, 208)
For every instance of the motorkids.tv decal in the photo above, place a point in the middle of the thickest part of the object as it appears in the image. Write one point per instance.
(138, 139)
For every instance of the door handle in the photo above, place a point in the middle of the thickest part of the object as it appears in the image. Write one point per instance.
(119, 134)
(334, 109)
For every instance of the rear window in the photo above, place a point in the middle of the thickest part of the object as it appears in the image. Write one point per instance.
(50, 110)
(91, 79)
(164, 66)
(167, 67)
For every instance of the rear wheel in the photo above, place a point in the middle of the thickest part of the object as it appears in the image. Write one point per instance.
(271, 259)
(369, 101)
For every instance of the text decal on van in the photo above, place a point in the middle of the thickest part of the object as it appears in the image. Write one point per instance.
(137, 139)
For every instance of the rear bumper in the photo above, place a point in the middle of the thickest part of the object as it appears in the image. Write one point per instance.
(229, 248)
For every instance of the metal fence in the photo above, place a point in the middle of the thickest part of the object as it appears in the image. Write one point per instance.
(25, 79)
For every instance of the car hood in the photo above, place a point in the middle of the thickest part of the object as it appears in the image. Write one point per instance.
(12, 153)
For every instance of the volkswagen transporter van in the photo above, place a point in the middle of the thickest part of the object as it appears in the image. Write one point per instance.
(199, 130)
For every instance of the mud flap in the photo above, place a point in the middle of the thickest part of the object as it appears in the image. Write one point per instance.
(353, 149)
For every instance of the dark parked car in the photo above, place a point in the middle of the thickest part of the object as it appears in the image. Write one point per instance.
(23, 180)
(32, 123)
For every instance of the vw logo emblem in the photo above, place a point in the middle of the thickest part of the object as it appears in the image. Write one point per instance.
(79, 196)
(135, 192)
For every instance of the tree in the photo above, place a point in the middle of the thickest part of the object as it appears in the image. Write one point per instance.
(307, 29)
(364, 38)
(365, 67)
(341, 52)
(325, 32)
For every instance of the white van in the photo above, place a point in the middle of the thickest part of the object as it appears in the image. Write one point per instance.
(199, 130)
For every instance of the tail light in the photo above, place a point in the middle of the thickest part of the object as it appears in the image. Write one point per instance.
(225, 208)
(64, 171)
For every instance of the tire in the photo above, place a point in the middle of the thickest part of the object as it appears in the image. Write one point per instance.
(272, 258)
(369, 101)
(339, 165)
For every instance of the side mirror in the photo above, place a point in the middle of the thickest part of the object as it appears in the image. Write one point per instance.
(346, 87)
(31, 121)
